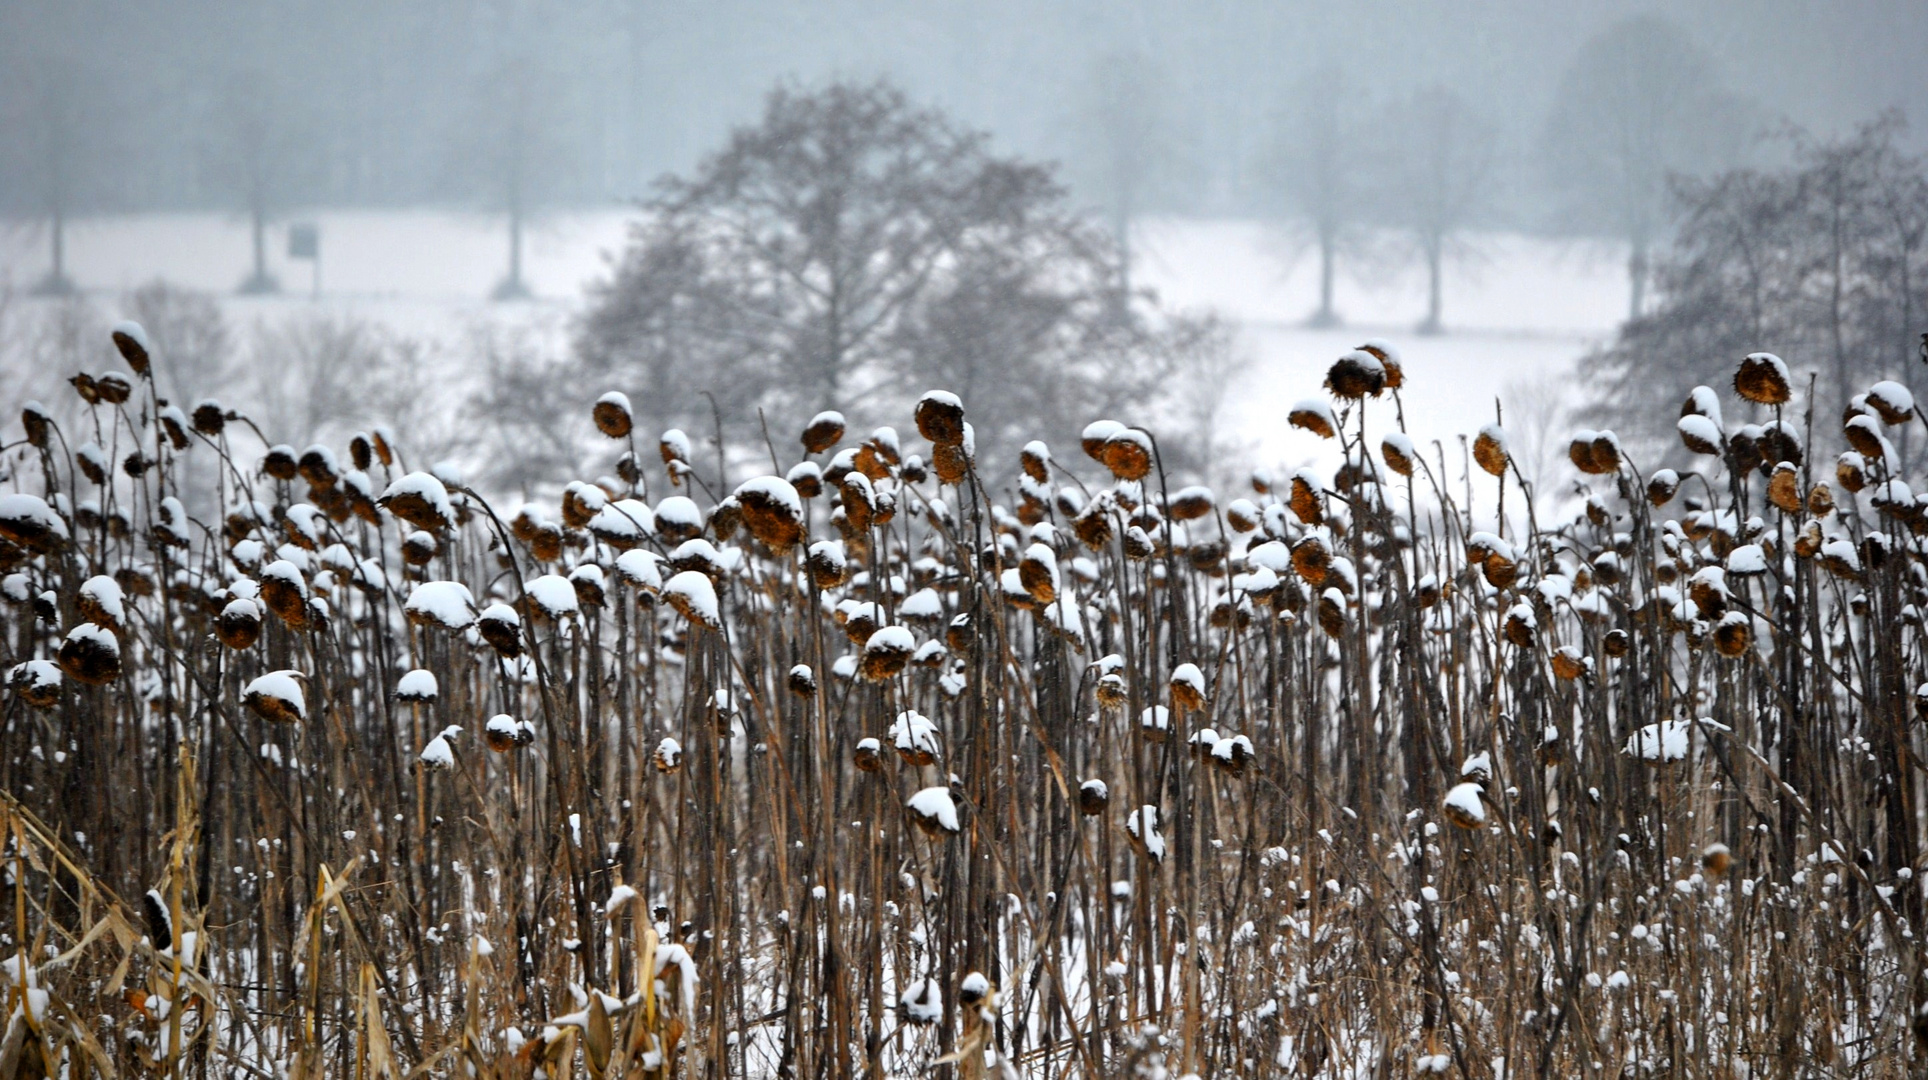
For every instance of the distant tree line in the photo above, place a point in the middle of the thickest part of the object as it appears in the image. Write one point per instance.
(1381, 181)
(517, 107)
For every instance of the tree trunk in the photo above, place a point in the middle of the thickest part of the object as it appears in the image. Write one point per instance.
(512, 287)
(515, 247)
(260, 248)
(56, 283)
(1328, 244)
(1435, 256)
(60, 244)
(258, 281)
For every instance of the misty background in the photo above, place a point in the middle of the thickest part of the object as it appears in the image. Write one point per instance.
(1500, 187)
(363, 103)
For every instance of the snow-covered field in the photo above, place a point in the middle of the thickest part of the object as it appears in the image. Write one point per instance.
(1518, 314)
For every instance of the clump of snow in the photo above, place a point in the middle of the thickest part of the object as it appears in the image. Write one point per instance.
(679, 514)
(622, 523)
(1660, 743)
(1142, 824)
(106, 597)
(1099, 432)
(922, 1002)
(36, 680)
(1463, 802)
(1400, 443)
(1746, 560)
(448, 604)
(1271, 555)
(28, 521)
(935, 805)
(34, 673)
(774, 489)
(417, 685)
(1260, 583)
(676, 956)
(1698, 430)
(1233, 750)
(1892, 399)
(421, 500)
(1491, 544)
(1187, 677)
(1312, 412)
(1842, 551)
(913, 733)
(278, 687)
(638, 568)
(247, 554)
(676, 444)
(890, 639)
(1196, 494)
(135, 334)
(95, 636)
(692, 594)
(618, 896)
(504, 726)
(669, 753)
(553, 596)
(922, 604)
(439, 754)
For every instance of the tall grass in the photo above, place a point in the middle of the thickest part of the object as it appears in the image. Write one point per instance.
(1392, 777)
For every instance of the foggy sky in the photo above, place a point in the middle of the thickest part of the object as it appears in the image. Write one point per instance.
(371, 102)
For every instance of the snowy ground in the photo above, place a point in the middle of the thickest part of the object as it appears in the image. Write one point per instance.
(1518, 315)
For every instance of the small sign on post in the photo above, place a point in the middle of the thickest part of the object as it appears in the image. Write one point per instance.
(304, 242)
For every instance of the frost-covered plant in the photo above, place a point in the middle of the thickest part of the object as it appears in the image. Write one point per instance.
(893, 757)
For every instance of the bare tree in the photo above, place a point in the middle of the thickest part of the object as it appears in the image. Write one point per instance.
(658, 320)
(1822, 261)
(1126, 143)
(44, 344)
(1315, 168)
(508, 149)
(1028, 324)
(1639, 103)
(59, 134)
(1202, 358)
(1536, 411)
(524, 415)
(850, 242)
(1436, 178)
(189, 334)
(315, 374)
(262, 156)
